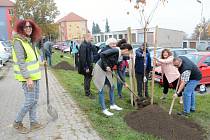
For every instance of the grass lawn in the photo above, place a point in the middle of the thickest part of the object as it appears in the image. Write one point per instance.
(115, 128)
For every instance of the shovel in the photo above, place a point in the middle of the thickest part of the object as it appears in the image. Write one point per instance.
(51, 111)
(172, 103)
(126, 86)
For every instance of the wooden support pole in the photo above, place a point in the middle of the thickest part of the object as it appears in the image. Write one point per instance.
(144, 54)
(131, 66)
(153, 70)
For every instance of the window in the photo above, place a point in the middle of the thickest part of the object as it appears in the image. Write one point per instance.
(120, 36)
(207, 61)
(11, 12)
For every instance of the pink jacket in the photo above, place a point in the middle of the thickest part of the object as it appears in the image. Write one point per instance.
(167, 67)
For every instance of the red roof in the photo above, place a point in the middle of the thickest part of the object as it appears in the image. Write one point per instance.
(71, 17)
(6, 3)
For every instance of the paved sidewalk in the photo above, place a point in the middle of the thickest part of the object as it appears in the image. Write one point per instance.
(71, 124)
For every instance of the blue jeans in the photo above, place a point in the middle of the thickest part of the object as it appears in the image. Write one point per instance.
(120, 84)
(30, 104)
(48, 58)
(111, 95)
(189, 95)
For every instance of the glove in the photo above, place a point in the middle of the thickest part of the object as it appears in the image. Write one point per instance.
(145, 79)
(175, 95)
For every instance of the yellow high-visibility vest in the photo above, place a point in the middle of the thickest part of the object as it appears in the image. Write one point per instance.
(32, 63)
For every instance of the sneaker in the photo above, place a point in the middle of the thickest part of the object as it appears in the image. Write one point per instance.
(192, 110)
(163, 96)
(121, 97)
(184, 114)
(115, 107)
(91, 96)
(181, 100)
(36, 126)
(20, 128)
(107, 113)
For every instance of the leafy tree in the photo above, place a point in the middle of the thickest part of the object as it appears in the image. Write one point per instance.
(98, 30)
(107, 26)
(93, 28)
(203, 27)
(43, 12)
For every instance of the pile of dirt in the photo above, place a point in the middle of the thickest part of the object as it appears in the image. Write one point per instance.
(64, 65)
(155, 121)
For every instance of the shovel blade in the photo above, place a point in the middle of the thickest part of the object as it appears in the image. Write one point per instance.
(52, 112)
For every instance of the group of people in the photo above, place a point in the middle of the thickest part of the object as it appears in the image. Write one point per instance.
(110, 60)
(180, 73)
(184, 75)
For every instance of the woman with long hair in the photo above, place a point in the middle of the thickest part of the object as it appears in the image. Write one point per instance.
(170, 74)
(26, 70)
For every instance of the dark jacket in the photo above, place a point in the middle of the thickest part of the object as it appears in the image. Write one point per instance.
(189, 65)
(85, 57)
(139, 61)
(109, 58)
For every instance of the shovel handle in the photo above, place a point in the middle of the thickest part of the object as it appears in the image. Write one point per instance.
(126, 86)
(46, 79)
(172, 105)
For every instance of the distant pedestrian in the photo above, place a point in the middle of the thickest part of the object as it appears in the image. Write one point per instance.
(141, 77)
(75, 51)
(27, 71)
(48, 52)
(85, 66)
(190, 77)
(102, 73)
(170, 74)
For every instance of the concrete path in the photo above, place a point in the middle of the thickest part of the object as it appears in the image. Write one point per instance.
(71, 124)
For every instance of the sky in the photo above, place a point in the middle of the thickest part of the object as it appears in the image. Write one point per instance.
(181, 15)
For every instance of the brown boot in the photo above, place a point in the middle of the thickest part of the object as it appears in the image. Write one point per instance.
(20, 128)
(36, 126)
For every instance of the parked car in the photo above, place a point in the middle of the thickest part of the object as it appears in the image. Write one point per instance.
(5, 57)
(201, 59)
(6, 48)
(175, 51)
(1, 63)
(100, 45)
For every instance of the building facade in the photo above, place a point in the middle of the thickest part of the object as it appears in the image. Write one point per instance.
(72, 27)
(195, 44)
(165, 37)
(6, 19)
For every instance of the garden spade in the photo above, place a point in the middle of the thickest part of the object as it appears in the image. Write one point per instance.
(51, 111)
(172, 103)
(126, 87)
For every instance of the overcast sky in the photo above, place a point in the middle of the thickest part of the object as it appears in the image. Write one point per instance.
(176, 14)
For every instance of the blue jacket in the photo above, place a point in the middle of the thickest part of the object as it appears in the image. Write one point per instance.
(139, 61)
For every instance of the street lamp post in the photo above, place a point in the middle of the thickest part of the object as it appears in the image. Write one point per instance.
(200, 27)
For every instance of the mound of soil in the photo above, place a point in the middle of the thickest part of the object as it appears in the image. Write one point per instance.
(64, 65)
(155, 121)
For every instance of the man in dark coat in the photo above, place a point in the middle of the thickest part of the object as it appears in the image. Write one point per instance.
(86, 62)
(141, 77)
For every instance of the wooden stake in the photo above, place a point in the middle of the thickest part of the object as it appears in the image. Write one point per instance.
(144, 54)
(153, 70)
(131, 65)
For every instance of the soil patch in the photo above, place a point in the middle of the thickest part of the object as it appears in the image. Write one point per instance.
(64, 65)
(154, 120)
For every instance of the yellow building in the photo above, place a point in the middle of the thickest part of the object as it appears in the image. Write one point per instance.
(72, 27)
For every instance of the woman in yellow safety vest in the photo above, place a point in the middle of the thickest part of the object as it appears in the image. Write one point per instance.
(27, 71)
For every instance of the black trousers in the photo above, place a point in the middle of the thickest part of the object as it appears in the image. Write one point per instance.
(87, 80)
(166, 84)
(140, 84)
